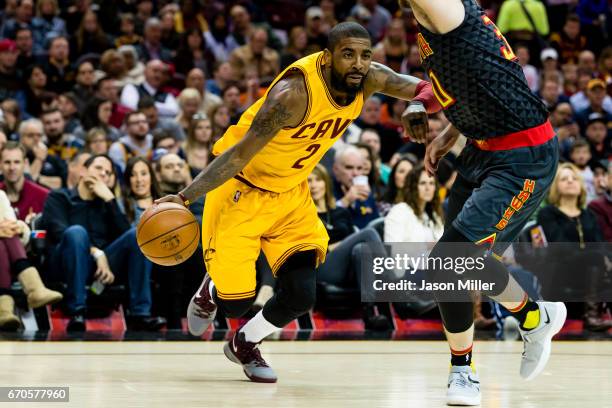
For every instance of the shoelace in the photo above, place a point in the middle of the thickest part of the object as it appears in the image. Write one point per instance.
(252, 354)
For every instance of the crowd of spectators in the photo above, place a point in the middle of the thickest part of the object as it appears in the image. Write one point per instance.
(108, 105)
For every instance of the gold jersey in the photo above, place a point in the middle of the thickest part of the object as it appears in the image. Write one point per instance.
(287, 159)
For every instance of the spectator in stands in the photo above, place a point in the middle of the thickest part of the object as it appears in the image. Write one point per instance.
(14, 263)
(127, 31)
(67, 103)
(147, 106)
(370, 170)
(198, 146)
(567, 220)
(518, 27)
(22, 18)
(97, 141)
(551, 93)
(255, 54)
(97, 114)
(329, 15)
(189, 102)
(85, 82)
(602, 207)
(90, 37)
(166, 142)
(418, 218)
(151, 47)
(25, 45)
(580, 155)
(61, 144)
(343, 264)
(371, 138)
(197, 79)
(550, 61)
(605, 65)
(598, 102)
(370, 119)
(193, 53)
(231, 99)
(107, 88)
(76, 168)
(170, 39)
(596, 134)
(222, 76)
(393, 48)
(164, 102)
(569, 42)
(587, 62)
(60, 73)
(296, 47)
(134, 68)
(3, 139)
(241, 27)
(12, 115)
(112, 65)
(531, 72)
(141, 188)
(46, 169)
(357, 198)
(89, 238)
(379, 18)
(47, 22)
(561, 119)
(10, 85)
(220, 116)
(137, 142)
(316, 39)
(395, 187)
(26, 197)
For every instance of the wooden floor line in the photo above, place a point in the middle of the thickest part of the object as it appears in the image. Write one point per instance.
(356, 353)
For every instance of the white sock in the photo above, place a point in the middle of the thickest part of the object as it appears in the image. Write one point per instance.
(211, 286)
(258, 328)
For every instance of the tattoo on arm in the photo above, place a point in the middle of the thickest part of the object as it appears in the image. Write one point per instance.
(391, 83)
(273, 115)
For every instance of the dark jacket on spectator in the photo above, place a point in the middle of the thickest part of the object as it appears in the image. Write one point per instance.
(558, 227)
(602, 208)
(338, 224)
(103, 221)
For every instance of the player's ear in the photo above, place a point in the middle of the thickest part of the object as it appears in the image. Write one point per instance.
(327, 57)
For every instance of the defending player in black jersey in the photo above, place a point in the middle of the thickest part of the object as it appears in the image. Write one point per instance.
(504, 173)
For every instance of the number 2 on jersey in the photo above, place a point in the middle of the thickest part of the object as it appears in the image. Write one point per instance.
(313, 148)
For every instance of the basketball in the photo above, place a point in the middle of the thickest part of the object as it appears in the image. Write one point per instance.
(168, 234)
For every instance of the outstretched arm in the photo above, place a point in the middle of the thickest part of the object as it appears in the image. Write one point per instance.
(422, 100)
(284, 107)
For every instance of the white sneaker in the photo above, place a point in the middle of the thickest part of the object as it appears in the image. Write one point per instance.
(537, 342)
(201, 310)
(463, 387)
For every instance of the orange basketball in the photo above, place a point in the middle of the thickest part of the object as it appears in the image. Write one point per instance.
(168, 234)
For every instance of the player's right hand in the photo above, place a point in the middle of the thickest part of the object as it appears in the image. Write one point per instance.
(170, 198)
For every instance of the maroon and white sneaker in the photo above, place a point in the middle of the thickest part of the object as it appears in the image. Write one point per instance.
(201, 310)
(247, 355)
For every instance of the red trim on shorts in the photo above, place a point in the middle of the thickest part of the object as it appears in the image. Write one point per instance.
(534, 136)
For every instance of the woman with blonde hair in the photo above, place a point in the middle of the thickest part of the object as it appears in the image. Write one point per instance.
(189, 101)
(566, 219)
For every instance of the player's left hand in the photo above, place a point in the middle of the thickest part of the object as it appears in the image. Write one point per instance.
(170, 198)
(414, 120)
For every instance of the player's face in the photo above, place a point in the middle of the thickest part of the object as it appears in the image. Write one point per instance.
(427, 187)
(140, 180)
(403, 168)
(350, 64)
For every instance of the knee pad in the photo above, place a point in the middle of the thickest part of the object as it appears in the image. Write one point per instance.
(234, 308)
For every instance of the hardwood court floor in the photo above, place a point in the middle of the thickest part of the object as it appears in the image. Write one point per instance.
(312, 374)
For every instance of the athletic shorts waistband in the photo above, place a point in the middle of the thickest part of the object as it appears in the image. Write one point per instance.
(534, 136)
(248, 183)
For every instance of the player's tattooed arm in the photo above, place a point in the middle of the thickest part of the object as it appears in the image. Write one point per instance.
(284, 106)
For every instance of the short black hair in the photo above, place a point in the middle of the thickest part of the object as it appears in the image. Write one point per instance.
(345, 30)
(146, 102)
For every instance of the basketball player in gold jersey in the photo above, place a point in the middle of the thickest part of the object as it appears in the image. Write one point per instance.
(257, 191)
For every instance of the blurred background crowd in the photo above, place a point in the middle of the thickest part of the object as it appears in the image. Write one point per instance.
(107, 105)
